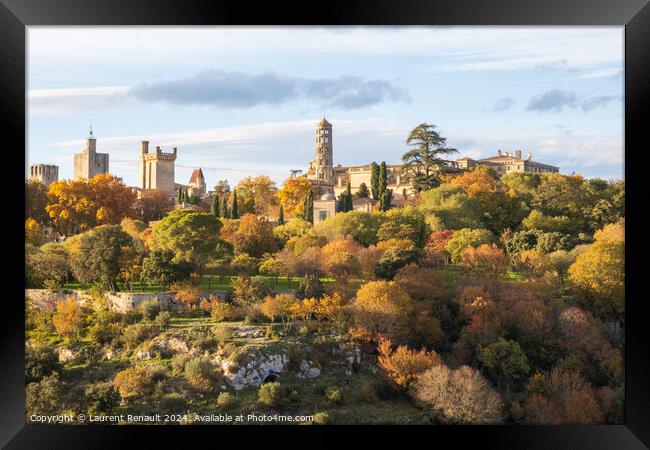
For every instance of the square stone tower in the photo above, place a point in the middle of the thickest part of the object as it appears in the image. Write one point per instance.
(89, 163)
(44, 173)
(157, 169)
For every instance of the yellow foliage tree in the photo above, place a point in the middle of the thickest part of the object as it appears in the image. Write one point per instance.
(403, 365)
(33, 232)
(599, 272)
(68, 319)
(383, 307)
(292, 195)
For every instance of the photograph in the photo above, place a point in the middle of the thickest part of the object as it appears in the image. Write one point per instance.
(325, 225)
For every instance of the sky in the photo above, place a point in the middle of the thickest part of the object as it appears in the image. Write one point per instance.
(244, 101)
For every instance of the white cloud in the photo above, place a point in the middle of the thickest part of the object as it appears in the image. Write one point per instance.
(68, 100)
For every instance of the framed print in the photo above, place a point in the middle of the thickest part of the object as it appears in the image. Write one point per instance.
(370, 218)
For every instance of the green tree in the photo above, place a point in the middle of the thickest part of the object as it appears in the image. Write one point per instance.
(505, 362)
(308, 211)
(382, 183)
(451, 208)
(234, 213)
(281, 216)
(98, 256)
(348, 198)
(225, 211)
(179, 197)
(464, 238)
(386, 199)
(214, 207)
(192, 236)
(158, 268)
(424, 162)
(374, 180)
(363, 191)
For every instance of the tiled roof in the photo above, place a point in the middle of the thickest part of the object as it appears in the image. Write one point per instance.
(196, 174)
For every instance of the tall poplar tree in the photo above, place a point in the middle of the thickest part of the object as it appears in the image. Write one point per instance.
(225, 212)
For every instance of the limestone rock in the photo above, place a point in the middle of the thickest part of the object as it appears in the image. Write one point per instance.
(308, 369)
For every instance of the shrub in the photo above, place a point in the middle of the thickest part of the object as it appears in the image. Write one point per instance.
(403, 365)
(47, 397)
(134, 382)
(200, 374)
(222, 311)
(221, 334)
(224, 399)
(138, 333)
(321, 418)
(269, 394)
(40, 361)
(162, 319)
(383, 307)
(461, 396)
(334, 394)
(101, 398)
(247, 290)
(150, 308)
(178, 362)
(131, 316)
(310, 287)
(173, 403)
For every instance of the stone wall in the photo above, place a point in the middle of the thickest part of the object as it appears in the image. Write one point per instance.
(119, 301)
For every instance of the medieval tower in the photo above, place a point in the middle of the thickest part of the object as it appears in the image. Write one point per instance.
(157, 169)
(44, 173)
(89, 163)
(321, 170)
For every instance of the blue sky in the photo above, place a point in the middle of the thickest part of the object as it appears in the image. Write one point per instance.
(241, 101)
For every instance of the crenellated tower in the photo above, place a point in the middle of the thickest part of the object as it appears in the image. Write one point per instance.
(157, 168)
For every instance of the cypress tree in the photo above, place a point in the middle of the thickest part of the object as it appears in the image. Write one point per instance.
(214, 208)
(281, 216)
(348, 198)
(234, 214)
(225, 212)
(386, 198)
(363, 191)
(383, 179)
(308, 214)
(374, 180)
(179, 198)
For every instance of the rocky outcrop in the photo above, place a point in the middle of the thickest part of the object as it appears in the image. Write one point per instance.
(308, 369)
(252, 365)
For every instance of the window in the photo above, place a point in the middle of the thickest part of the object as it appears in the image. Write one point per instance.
(322, 215)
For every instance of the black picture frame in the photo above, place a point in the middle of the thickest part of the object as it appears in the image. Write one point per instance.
(16, 15)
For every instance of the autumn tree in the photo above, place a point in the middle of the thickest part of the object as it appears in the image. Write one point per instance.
(464, 238)
(403, 365)
(33, 232)
(461, 396)
(486, 260)
(383, 307)
(425, 161)
(255, 195)
(68, 319)
(292, 195)
(405, 223)
(599, 273)
(278, 307)
(254, 236)
(154, 204)
(361, 226)
(78, 205)
(36, 202)
(294, 227)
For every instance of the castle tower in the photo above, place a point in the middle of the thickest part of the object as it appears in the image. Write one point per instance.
(197, 183)
(323, 163)
(44, 173)
(89, 163)
(157, 168)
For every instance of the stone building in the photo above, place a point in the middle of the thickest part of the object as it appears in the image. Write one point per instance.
(44, 173)
(157, 169)
(325, 178)
(196, 186)
(504, 163)
(89, 163)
